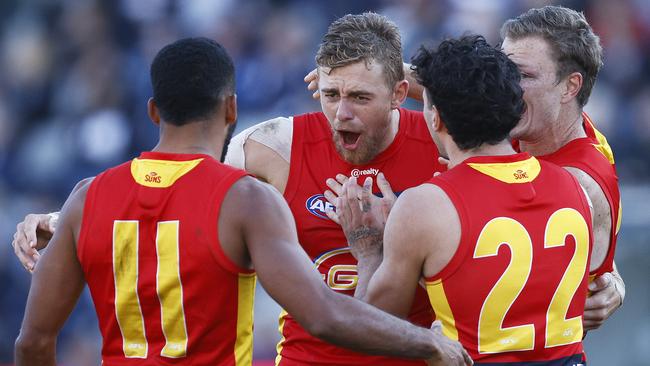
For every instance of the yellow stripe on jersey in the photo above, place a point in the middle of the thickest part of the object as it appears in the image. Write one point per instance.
(127, 303)
(441, 307)
(603, 146)
(244, 340)
(620, 214)
(170, 290)
(516, 172)
(160, 173)
(278, 348)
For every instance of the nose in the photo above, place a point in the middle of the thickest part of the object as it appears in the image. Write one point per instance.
(344, 111)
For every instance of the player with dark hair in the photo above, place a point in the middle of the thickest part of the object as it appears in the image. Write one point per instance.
(502, 239)
(363, 131)
(169, 244)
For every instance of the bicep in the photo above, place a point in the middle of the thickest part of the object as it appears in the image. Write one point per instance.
(282, 266)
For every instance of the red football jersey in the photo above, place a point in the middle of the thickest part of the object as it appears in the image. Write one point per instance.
(515, 289)
(593, 156)
(410, 160)
(164, 291)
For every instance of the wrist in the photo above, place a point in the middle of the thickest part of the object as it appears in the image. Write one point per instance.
(619, 286)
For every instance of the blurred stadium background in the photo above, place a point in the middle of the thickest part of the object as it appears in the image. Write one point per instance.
(74, 83)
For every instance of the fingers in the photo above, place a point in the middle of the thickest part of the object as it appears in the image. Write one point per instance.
(468, 360)
(331, 197)
(384, 187)
(351, 189)
(24, 242)
(312, 79)
(599, 306)
(332, 215)
(601, 282)
(343, 207)
(366, 192)
(443, 161)
(336, 183)
(436, 326)
(311, 76)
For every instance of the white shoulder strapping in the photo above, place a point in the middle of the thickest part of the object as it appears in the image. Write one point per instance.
(276, 134)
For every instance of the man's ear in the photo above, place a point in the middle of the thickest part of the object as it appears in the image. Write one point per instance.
(400, 92)
(231, 109)
(152, 110)
(437, 122)
(573, 85)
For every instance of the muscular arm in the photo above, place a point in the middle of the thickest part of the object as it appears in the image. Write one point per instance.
(422, 234)
(264, 150)
(258, 215)
(607, 291)
(56, 286)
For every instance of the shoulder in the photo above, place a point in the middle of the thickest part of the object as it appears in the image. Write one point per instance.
(589, 184)
(274, 134)
(424, 209)
(249, 197)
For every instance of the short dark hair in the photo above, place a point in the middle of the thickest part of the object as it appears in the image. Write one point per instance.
(575, 46)
(475, 88)
(189, 78)
(367, 37)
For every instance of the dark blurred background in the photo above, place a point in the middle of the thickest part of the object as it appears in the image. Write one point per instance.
(74, 81)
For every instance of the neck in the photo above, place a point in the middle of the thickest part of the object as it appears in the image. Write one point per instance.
(563, 131)
(457, 156)
(192, 138)
(393, 128)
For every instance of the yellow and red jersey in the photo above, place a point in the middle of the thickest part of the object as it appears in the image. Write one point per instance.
(164, 291)
(515, 289)
(593, 155)
(411, 159)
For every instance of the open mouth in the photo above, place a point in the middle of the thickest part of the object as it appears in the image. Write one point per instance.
(350, 139)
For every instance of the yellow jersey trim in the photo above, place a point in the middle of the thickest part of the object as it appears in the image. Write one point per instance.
(524, 171)
(603, 146)
(160, 173)
(245, 299)
(441, 307)
(278, 348)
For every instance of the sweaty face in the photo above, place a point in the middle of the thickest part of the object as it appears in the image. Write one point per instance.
(357, 103)
(542, 92)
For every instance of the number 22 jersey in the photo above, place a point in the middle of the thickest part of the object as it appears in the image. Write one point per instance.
(514, 291)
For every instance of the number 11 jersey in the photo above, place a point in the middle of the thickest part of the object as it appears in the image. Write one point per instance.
(164, 291)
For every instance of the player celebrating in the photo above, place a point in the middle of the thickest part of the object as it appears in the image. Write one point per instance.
(502, 239)
(169, 242)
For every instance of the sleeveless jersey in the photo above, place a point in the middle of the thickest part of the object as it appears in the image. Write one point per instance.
(164, 291)
(514, 291)
(593, 155)
(410, 160)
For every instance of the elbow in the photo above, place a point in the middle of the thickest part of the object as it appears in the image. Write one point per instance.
(325, 325)
(325, 321)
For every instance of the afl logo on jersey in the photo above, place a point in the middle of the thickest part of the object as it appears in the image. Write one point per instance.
(317, 205)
